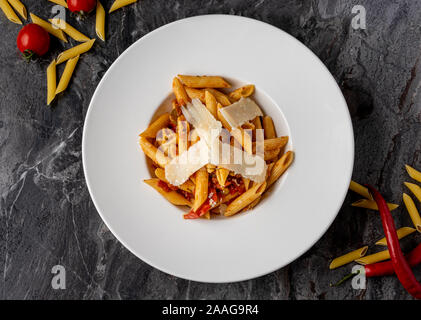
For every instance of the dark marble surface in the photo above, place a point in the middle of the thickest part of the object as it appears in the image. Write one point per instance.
(48, 218)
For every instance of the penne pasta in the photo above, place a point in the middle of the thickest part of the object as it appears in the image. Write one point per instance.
(269, 128)
(153, 153)
(69, 30)
(242, 92)
(67, 74)
(220, 97)
(204, 81)
(8, 11)
(183, 130)
(222, 175)
(58, 33)
(210, 103)
(196, 94)
(187, 186)
(402, 233)
(75, 51)
(273, 144)
(245, 199)
(167, 140)
(100, 21)
(273, 154)
(201, 189)
(210, 168)
(172, 196)
(414, 174)
(361, 190)
(373, 258)
(415, 189)
(413, 212)
(371, 204)
(120, 3)
(348, 258)
(257, 123)
(19, 7)
(60, 2)
(153, 129)
(51, 82)
(246, 183)
(280, 167)
(180, 92)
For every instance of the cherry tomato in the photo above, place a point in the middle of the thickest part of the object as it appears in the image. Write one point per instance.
(32, 39)
(81, 6)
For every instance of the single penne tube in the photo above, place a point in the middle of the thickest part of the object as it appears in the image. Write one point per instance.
(196, 94)
(201, 189)
(51, 82)
(19, 7)
(67, 74)
(273, 144)
(210, 103)
(63, 3)
(402, 233)
(69, 30)
(220, 97)
(371, 204)
(269, 128)
(172, 196)
(204, 81)
(348, 258)
(222, 175)
(180, 92)
(187, 186)
(246, 183)
(75, 51)
(100, 21)
(153, 153)
(58, 33)
(280, 166)
(245, 199)
(8, 11)
(413, 212)
(415, 189)
(272, 154)
(183, 131)
(153, 129)
(414, 174)
(242, 92)
(257, 123)
(361, 190)
(373, 258)
(120, 3)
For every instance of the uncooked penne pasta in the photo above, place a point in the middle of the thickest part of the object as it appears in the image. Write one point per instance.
(19, 7)
(153, 129)
(220, 97)
(402, 233)
(413, 212)
(172, 196)
(58, 33)
(281, 165)
(201, 189)
(242, 92)
(361, 190)
(75, 51)
(180, 92)
(69, 30)
(371, 204)
(120, 3)
(8, 11)
(204, 81)
(269, 128)
(100, 21)
(245, 199)
(348, 258)
(210, 102)
(373, 258)
(60, 2)
(187, 186)
(416, 190)
(153, 153)
(414, 174)
(67, 74)
(196, 94)
(51, 82)
(183, 130)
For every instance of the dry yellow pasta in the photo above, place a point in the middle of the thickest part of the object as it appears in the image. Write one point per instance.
(60, 2)
(361, 190)
(153, 129)
(100, 21)
(373, 258)
(402, 233)
(416, 190)
(204, 81)
(180, 92)
(51, 82)
(348, 258)
(414, 174)
(67, 74)
(201, 189)
(75, 51)
(69, 30)
(172, 196)
(120, 3)
(19, 7)
(183, 130)
(280, 167)
(196, 93)
(269, 128)
(413, 212)
(245, 199)
(153, 153)
(58, 33)
(371, 204)
(242, 92)
(8, 11)
(211, 103)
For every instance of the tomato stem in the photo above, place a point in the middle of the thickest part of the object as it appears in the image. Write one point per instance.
(28, 55)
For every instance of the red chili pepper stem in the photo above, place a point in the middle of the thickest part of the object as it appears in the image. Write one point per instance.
(348, 276)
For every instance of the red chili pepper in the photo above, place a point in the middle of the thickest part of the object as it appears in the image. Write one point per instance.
(399, 263)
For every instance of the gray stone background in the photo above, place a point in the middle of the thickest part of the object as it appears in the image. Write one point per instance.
(48, 218)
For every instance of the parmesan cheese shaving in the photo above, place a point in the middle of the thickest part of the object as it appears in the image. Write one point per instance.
(240, 112)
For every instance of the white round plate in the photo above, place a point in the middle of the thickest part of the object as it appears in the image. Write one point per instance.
(292, 86)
